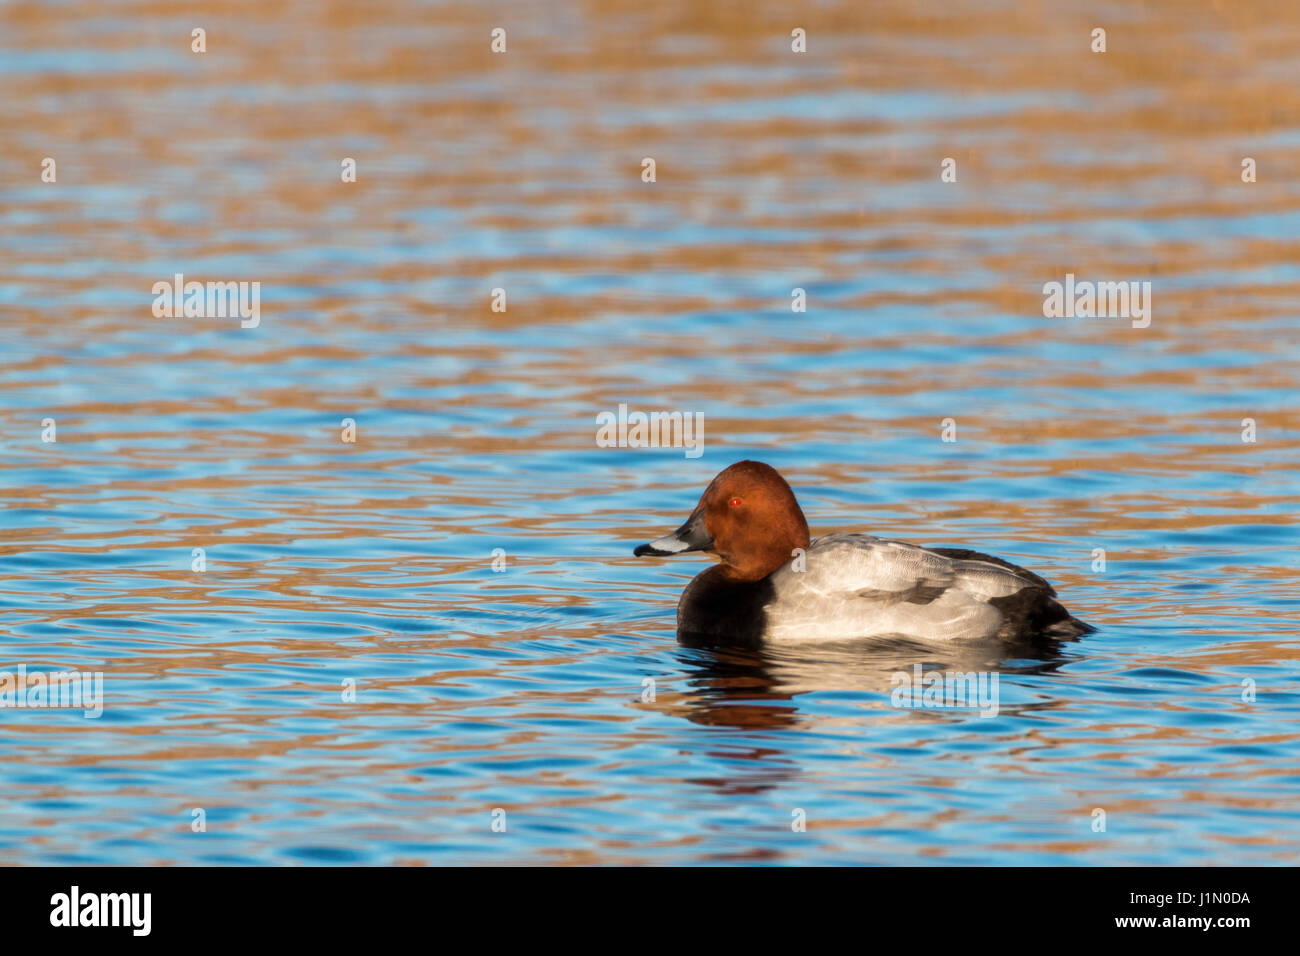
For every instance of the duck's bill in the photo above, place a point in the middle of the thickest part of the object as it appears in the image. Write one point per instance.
(691, 536)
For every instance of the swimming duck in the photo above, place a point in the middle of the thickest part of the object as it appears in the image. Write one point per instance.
(775, 584)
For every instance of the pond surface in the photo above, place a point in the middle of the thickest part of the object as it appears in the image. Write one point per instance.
(349, 680)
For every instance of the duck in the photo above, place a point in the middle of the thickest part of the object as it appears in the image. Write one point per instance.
(775, 584)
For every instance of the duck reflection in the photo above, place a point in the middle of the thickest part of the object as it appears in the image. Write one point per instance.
(757, 686)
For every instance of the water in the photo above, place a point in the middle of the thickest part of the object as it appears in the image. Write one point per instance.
(369, 564)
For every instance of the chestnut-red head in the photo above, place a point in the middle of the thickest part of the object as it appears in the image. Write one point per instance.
(748, 517)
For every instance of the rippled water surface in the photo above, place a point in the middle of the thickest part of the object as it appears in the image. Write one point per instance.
(332, 565)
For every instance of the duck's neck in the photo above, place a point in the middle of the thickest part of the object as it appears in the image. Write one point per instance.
(758, 559)
(719, 608)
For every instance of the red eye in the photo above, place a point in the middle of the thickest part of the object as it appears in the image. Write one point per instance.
(733, 502)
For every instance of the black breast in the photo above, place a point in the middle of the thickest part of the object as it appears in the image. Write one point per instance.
(717, 611)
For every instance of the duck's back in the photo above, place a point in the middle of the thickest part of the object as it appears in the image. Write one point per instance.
(860, 585)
